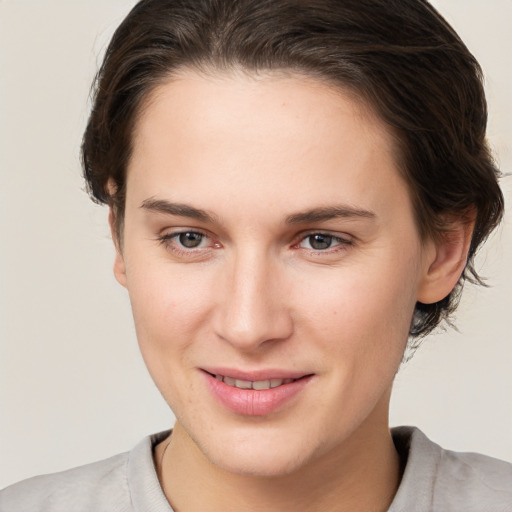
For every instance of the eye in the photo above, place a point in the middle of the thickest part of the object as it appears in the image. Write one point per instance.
(322, 242)
(185, 241)
(190, 239)
(319, 241)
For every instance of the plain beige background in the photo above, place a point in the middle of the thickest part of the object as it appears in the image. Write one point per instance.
(73, 388)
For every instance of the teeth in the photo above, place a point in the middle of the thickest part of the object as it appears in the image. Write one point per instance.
(276, 382)
(257, 384)
(229, 381)
(261, 384)
(243, 384)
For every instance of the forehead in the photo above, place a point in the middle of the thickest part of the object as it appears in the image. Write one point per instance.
(259, 104)
(276, 139)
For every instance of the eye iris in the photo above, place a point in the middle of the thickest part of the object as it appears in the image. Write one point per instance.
(190, 239)
(320, 241)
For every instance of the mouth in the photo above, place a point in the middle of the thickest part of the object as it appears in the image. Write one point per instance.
(259, 385)
(255, 393)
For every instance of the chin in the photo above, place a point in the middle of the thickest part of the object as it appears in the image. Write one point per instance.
(262, 454)
(264, 465)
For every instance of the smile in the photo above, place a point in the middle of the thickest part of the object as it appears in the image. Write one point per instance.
(256, 384)
(255, 395)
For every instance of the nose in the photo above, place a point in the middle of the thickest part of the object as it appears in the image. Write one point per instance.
(253, 309)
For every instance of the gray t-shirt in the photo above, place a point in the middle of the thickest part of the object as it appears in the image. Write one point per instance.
(434, 480)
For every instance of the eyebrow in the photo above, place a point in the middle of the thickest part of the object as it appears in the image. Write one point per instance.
(183, 210)
(313, 215)
(327, 213)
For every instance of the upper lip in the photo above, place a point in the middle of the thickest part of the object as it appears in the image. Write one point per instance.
(256, 375)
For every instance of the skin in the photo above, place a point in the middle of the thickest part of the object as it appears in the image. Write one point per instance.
(253, 153)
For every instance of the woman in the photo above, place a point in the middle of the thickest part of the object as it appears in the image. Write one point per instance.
(295, 190)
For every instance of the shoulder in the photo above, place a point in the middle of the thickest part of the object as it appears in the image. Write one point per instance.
(124, 483)
(436, 479)
(98, 486)
(478, 478)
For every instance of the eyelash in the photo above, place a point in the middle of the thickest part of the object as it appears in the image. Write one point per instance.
(168, 241)
(341, 243)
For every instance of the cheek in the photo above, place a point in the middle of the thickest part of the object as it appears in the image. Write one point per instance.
(362, 314)
(169, 311)
(169, 307)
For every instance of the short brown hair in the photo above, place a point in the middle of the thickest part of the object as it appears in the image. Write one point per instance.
(400, 56)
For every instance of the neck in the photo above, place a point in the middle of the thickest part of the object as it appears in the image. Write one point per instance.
(363, 475)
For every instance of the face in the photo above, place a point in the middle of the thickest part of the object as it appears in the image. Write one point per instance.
(273, 265)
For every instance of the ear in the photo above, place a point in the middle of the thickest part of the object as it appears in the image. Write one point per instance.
(119, 265)
(446, 259)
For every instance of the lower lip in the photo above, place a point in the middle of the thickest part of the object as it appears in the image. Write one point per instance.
(252, 402)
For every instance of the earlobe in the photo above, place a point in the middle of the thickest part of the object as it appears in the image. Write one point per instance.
(446, 260)
(119, 265)
(119, 269)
